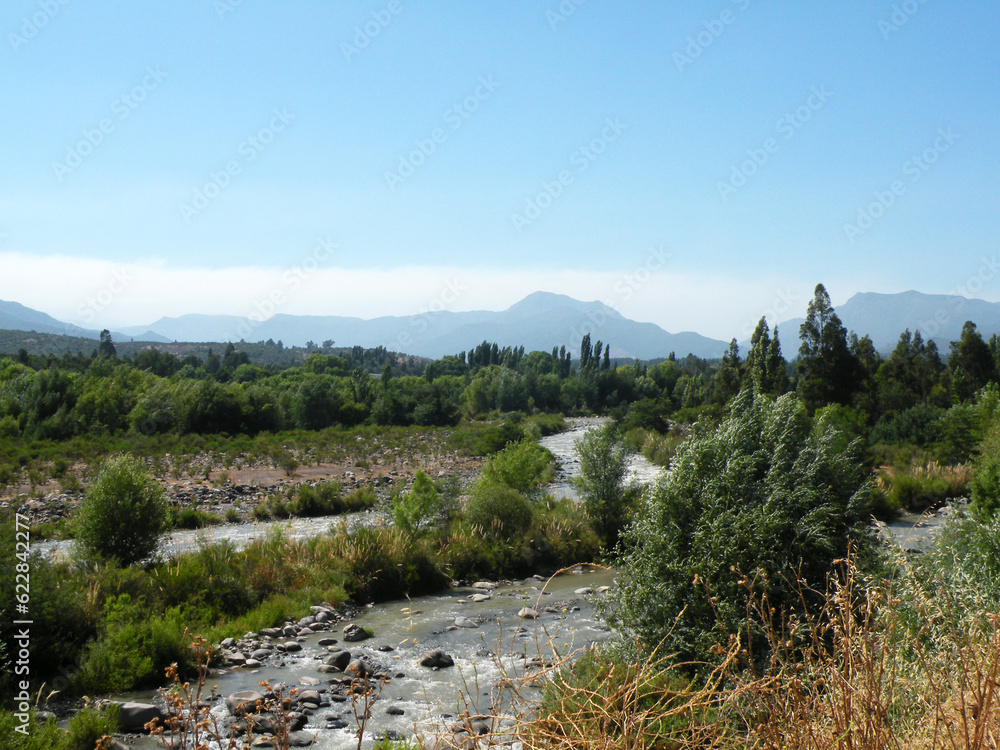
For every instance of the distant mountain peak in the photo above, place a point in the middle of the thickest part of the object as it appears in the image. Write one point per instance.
(542, 302)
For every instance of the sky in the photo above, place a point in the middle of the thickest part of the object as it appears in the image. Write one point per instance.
(696, 165)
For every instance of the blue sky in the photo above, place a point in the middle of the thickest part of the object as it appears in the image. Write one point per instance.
(695, 165)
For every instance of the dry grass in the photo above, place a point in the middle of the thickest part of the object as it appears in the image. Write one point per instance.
(902, 664)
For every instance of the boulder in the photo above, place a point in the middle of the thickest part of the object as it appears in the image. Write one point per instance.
(465, 622)
(358, 669)
(301, 739)
(291, 646)
(487, 585)
(133, 717)
(354, 633)
(339, 660)
(584, 591)
(436, 659)
(480, 597)
(243, 701)
(527, 613)
(309, 696)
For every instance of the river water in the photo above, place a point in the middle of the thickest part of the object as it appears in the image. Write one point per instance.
(500, 647)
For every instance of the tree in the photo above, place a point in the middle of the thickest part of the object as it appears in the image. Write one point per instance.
(971, 363)
(828, 372)
(585, 351)
(728, 377)
(107, 347)
(422, 508)
(122, 514)
(770, 495)
(603, 464)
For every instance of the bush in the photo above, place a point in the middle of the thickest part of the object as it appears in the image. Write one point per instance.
(603, 464)
(767, 494)
(422, 508)
(122, 514)
(501, 512)
(47, 736)
(90, 725)
(522, 466)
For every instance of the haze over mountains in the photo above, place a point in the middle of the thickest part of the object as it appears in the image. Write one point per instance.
(539, 321)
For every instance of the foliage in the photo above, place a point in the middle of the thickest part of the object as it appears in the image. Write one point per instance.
(422, 508)
(523, 466)
(603, 464)
(90, 725)
(499, 511)
(767, 492)
(122, 515)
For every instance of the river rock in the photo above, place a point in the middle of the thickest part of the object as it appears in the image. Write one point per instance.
(527, 613)
(243, 701)
(301, 739)
(291, 646)
(477, 598)
(228, 643)
(236, 660)
(309, 696)
(465, 622)
(339, 660)
(260, 654)
(603, 589)
(289, 631)
(436, 659)
(326, 642)
(584, 591)
(394, 711)
(354, 633)
(133, 717)
(251, 663)
(488, 585)
(359, 669)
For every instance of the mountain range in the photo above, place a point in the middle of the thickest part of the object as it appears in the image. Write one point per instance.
(539, 321)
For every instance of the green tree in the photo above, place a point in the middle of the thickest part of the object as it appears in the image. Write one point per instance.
(107, 347)
(971, 363)
(727, 379)
(422, 508)
(523, 466)
(122, 514)
(603, 457)
(768, 494)
(828, 372)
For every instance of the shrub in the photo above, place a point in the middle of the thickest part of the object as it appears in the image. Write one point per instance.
(122, 514)
(603, 463)
(501, 512)
(768, 494)
(42, 736)
(522, 466)
(422, 508)
(90, 725)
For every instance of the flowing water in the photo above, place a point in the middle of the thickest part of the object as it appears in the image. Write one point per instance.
(501, 645)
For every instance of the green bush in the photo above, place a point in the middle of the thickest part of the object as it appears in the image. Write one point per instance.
(985, 487)
(603, 464)
(522, 466)
(422, 508)
(766, 495)
(91, 724)
(501, 512)
(40, 736)
(122, 514)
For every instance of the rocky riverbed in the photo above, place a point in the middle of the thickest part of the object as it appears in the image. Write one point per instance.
(435, 666)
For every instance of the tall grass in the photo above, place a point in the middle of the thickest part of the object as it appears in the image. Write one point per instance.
(921, 485)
